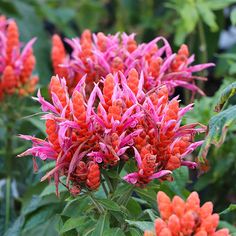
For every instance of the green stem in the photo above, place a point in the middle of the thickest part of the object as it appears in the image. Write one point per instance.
(96, 204)
(8, 161)
(109, 184)
(104, 189)
(203, 48)
(8, 202)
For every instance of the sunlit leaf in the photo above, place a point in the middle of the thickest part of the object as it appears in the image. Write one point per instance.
(218, 127)
(142, 225)
(109, 204)
(207, 15)
(226, 94)
(232, 207)
(72, 223)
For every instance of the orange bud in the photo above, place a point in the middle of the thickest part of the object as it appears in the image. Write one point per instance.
(178, 206)
(133, 80)
(93, 178)
(164, 205)
(12, 39)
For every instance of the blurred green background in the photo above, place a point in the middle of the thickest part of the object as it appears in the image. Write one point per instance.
(206, 26)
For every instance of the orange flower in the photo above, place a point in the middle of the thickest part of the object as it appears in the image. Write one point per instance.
(93, 178)
(188, 218)
(16, 67)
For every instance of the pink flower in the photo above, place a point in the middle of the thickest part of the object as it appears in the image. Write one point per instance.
(98, 55)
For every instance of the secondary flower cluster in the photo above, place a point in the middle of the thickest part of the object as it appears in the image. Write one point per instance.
(185, 218)
(16, 67)
(98, 55)
(87, 132)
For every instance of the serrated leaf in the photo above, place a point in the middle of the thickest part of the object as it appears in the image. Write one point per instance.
(109, 204)
(142, 225)
(232, 207)
(72, 223)
(101, 226)
(226, 94)
(218, 127)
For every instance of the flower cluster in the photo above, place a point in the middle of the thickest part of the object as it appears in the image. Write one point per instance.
(185, 218)
(98, 55)
(119, 119)
(16, 67)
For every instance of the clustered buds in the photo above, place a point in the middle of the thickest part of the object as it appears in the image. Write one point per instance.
(188, 218)
(16, 67)
(118, 120)
(97, 55)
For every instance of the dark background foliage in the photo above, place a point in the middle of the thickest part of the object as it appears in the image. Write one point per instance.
(206, 26)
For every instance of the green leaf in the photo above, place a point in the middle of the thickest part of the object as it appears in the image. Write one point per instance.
(147, 194)
(134, 208)
(232, 69)
(231, 228)
(101, 226)
(51, 188)
(109, 204)
(74, 207)
(72, 223)
(226, 94)
(232, 207)
(15, 229)
(233, 17)
(31, 25)
(113, 232)
(219, 4)
(142, 225)
(135, 232)
(218, 127)
(177, 187)
(47, 166)
(91, 13)
(37, 123)
(37, 219)
(151, 214)
(207, 15)
(190, 16)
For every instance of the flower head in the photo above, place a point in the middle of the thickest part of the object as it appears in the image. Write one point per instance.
(16, 67)
(98, 55)
(185, 218)
(117, 121)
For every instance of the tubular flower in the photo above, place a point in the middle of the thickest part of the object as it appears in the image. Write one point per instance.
(98, 55)
(16, 67)
(185, 218)
(117, 121)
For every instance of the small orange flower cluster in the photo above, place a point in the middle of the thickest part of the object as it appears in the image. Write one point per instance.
(15, 67)
(180, 218)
